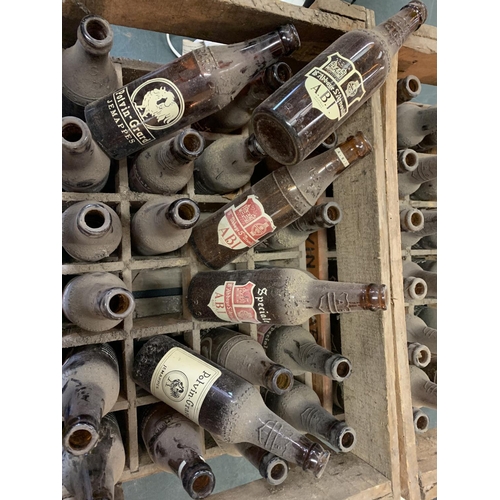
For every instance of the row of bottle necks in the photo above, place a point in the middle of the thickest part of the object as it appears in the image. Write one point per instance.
(200, 391)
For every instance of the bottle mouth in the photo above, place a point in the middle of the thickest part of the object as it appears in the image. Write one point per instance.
(407, 160)
(331, 141)
(191, 143)
(184, 213)
(200, 483)
(415, 288)
(117, 303)
(278, 74)
(420, 421)
(412, 86)
(276, 471)
(332, 213)
(79, 437)
(94, 220)
(419, 355)
(290, 38)
(95, 34)
(376, 297)
(316, 460)
(75, 133)
(346, 439)
(421, 9)
(341, 369)
(281, 379)
(412, 219)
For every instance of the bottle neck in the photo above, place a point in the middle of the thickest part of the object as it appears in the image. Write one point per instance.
(115, 303)
(93, 220)
(407, 89)
(426, 169)
(418, 354)
(180, 150)
(197, 477)
(423, 391)
(271, 467)
(407, 161)
(95, 36)
(321, 216)
(77, 143)
(411, 220)
(316, 359)
(182, 213)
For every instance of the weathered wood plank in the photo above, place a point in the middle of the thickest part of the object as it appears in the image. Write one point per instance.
(427, 464)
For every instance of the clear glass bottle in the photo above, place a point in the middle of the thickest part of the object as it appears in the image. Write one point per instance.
(323, 216)
(425, 171)
(297, 117)
(301, 407)
(418, 331)
(220, 401)
(423, 391)
(90, 388)
(276, 296)
(244, 356)
(414, 122)
(182, 92)
(407, 89)
(418, 237)
(174, 444)
(163, 225)
(227, 164)
(88, 72)
(91, 231)
(96, 474)
(295, 348)
(167, 166)
(97, 301)
(271, 204)
(85, 167)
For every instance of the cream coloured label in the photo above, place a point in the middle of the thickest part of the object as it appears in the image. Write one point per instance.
(242, 226)
(182, 381)
(342, 157)
(334, 86)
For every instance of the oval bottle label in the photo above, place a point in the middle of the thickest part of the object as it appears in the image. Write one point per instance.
(182, 381)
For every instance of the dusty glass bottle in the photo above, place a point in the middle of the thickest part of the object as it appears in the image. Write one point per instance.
(96, 474)
(427, 191)
(85, 167)
(426, 170)
(295, 348)
(407, 89)
(174, 444)
(418, 331)
(91, 231)
(323, 216)
(90, 388)
(411, 270)
(271, 467)
(428, 143)
(227, 164)
(167, 166)
(301, 407)
(238, 112)
(420, 421)
(163, 225)
(407, 160)
(414, 122)
(418, 354)
(276, 296)
(429, 229)
(245, 356)
(423, 391)
(220, 402)
(182, 92)
(295, 119)
(411, 220)
(271, 204)
(97, 301)
(88, 72)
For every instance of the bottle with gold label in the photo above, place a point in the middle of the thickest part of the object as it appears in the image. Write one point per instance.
(182, 92)
(272, 203)
(276, 296)
(220, 401)
(294, 120)
(174, 444)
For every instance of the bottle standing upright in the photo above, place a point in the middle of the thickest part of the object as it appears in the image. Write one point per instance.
(295, 119)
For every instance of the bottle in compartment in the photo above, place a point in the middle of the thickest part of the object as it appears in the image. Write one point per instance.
(163, 225)
(271, 204)
(423, 390)
(425, 171)
(323, 216)
(96, 474)
(88, 72)
(407, 88)
(174, 443)
(414, 122)
(90, 388)
(97, 301)
(227, 164)
(220, 402)
(244, 356)
(297, 117)
(412, 271)
(91, 231)
(85, 167)
(238, 112)
(167, 166)
(418, 331)
(301, 408)
(427, 144)
(296, 348)
(421, 236)
(182, 92)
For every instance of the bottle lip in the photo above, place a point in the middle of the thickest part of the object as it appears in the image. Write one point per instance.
(95, 35)
(184, 213)
(331, 213)
(274, 469)
(200, 482)
(94, 220)
(280, 379)
(75, 134)
(420, 8)
(80, 435)
(290, 38)
(419, 354)
(420, 421)
(277, 75)
(190, 143)
(317, 459)
(345, 440)
(117, 303)
(341, 369)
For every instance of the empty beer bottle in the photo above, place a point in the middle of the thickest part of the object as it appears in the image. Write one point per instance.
(208, 394)
(420, 421)
(174, 444)
(245, 356)
(423, 391)
(418, 331)
(276, 296)
(182, 92)
(272, 203)
(414, 122)
(429, 229)
(411, 270)
(297, 117)
(407, 89)
(418, 354)
(90, 387)
(426, 170)
(166, 167)
(91, 231)
(411, 220)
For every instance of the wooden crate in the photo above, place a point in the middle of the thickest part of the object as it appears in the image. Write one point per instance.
(384, 462)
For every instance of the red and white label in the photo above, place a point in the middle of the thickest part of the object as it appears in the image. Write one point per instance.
(244, 225)
(234, 303)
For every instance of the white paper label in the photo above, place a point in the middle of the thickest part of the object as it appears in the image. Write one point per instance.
(182, 381)
(342, 157)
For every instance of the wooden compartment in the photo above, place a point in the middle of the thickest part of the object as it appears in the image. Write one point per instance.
(377, 403)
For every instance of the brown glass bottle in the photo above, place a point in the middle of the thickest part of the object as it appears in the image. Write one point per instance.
(295, 119)
(238, 112)
(276, 296)
(182, 92)
(220, 402)
(174, 444)
(246, 357)
(271, 204)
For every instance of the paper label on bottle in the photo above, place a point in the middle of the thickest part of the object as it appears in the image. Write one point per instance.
(342, 157)
(238, 303)
(244, 225)
(334, 86)
(182, 381)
